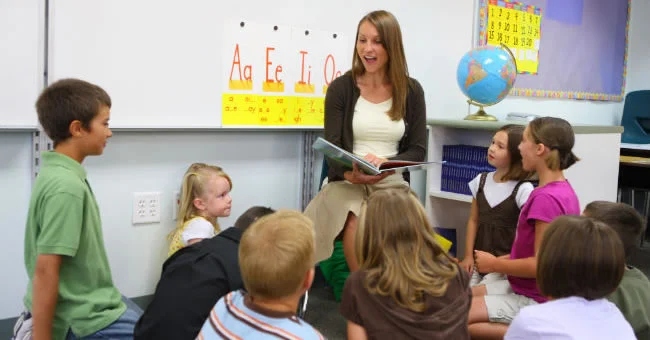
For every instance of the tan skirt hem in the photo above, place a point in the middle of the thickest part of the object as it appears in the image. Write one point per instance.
(330, 208)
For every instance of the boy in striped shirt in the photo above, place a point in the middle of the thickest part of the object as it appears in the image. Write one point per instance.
(276, 258)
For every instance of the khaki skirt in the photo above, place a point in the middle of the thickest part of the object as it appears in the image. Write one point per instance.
(330, 208)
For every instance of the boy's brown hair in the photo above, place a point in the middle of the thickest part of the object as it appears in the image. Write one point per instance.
(65, 101)
(275, 254)
(623, 218)
(516, 171)
(251, 215)
(579, 256)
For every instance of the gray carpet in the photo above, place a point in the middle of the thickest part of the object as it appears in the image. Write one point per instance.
(323, 312)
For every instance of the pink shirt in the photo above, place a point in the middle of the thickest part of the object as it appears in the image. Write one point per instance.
(544, 204)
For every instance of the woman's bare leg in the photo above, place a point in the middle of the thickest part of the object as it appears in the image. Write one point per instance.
(349, 236)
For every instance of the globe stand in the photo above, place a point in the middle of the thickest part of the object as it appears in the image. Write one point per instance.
(480, 114)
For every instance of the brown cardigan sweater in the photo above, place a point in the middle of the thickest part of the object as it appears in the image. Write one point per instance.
(341, 97)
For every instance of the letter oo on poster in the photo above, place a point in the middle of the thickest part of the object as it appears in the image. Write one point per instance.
(329, 69)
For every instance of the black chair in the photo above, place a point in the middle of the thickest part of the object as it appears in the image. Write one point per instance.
(636, 130)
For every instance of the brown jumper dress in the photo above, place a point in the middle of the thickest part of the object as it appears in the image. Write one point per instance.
(496, 225)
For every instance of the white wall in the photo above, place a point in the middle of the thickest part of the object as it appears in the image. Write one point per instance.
(638, 61)
(16, 182)
(265, 166)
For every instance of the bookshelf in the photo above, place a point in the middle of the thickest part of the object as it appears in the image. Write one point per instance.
(597, 146)
(450, 196)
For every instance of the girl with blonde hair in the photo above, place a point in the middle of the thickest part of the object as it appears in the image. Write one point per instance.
(205, 196)
(407, 286)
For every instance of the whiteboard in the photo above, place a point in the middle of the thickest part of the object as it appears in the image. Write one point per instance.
(162, 61)
(21, 63)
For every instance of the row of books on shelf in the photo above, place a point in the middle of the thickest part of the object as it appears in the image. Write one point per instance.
(462, 164)
(465, 154)
(456, 176)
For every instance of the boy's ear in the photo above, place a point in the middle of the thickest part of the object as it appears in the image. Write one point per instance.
(309, 279)
(76, 128)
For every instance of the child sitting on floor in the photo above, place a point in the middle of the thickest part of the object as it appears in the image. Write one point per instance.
(633, 293)
(205, 196)
(276, 258)
(581, 261)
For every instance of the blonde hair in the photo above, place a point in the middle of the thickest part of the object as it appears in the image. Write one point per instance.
(275, 254)
(396, 248)
(193, 186)
(556, 134)
(397, 70)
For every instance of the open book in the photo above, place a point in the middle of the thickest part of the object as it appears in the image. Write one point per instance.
(346, 159)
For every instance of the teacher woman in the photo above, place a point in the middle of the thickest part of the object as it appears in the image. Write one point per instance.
(378, 112)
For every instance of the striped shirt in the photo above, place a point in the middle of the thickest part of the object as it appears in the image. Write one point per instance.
(232, 319)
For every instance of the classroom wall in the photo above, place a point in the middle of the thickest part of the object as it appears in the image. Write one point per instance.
(15, 181)
(638, 63)
(588, 112)
(263, 165)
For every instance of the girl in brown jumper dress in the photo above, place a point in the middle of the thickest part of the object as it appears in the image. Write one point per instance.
(498, 198)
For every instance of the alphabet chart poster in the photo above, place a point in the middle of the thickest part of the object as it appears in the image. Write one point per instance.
(518, 26)
(277, 76)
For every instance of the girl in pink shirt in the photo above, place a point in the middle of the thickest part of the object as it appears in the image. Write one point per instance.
(546, 148)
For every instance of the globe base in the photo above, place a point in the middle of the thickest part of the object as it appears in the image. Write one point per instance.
(482, 116)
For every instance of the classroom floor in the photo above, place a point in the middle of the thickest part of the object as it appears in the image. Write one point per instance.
(322, 311)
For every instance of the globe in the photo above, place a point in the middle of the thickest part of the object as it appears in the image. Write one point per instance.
(486, 75)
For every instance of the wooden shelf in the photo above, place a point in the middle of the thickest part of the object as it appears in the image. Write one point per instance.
(451, 196)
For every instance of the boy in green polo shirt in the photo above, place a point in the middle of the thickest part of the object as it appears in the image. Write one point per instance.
(70, 292)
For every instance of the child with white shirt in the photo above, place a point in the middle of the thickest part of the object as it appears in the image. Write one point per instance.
(205, 196)
(581, 262)
(498, 198)
(547, 148)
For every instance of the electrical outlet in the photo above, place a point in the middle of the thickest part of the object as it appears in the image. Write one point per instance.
(146, 207)
(176, 203)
